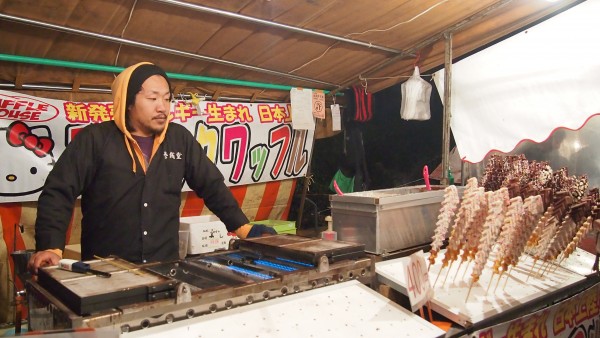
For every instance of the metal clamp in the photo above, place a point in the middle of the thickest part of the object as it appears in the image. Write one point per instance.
(184, 293)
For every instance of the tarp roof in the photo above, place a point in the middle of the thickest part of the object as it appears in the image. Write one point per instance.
(324, 44)
(527, 86)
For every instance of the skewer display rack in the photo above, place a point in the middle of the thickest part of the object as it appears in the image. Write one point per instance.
(494, 298)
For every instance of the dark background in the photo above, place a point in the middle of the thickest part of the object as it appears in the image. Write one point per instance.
(395, 152)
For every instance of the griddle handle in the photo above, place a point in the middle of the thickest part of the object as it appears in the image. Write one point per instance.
(81, 267)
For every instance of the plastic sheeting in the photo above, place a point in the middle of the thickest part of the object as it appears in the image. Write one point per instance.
(416, 94)
(527, 86)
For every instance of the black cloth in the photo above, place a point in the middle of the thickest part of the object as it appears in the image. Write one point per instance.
(139, 75)
(134, 216)
(258, 230)
(353, 161)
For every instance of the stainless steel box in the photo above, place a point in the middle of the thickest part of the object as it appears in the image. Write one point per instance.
(387, 220)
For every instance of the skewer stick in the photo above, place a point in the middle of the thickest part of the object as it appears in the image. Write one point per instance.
(498, 282)
(119, 265)
(558, 264)
(449, 268)
(466, 269)
(429, 311)
(490, 284)
(547, 266)
(469, 292)
(438, 276)
(540, 269)
(531, 271)
(507, 277)
(457, 270)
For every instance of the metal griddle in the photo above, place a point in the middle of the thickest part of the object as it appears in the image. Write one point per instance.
(308, 250)
(87, 293)
(254, 269)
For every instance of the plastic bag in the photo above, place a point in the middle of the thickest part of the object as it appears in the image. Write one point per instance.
(416, 93)
(344, 183)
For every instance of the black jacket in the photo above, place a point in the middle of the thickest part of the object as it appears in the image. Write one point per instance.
(134, 216)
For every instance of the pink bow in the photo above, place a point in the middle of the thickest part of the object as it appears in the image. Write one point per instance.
(19, 134)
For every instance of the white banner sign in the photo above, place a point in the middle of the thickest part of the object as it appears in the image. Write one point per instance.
(576, 317)
(249, 142)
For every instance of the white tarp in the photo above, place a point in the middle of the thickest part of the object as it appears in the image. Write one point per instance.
(528, 85)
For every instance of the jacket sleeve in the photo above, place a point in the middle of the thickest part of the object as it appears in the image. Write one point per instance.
(203, 176)
(63, 185)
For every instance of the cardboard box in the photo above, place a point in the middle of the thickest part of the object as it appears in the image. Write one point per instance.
(206, 234)
(72, 251)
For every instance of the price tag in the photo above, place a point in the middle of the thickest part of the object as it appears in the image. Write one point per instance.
(318, 102)
(417, 280)
(336, 117)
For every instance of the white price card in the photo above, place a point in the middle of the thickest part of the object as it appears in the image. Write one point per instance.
(335, 117)
(417, 280)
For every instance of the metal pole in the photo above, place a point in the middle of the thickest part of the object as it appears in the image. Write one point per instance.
(305, 188)
(237, 16)
(410, 52)
(447, 109)
(115, 69)
(156, 48)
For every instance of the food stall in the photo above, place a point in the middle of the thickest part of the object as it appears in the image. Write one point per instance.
(265, 49)
(311, 283)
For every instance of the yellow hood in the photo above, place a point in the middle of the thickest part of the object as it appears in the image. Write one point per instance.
(119, 92)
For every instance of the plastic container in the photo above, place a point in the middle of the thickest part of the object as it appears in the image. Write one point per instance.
(206, 233)
(388, 220)
(329, 234)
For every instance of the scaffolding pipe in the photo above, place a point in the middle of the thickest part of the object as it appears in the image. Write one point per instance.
(231, 15)
(115, 69)
(447, 109)
(158, 48)
(180, 96)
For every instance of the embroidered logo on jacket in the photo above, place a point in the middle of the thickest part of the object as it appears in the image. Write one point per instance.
(172, 155)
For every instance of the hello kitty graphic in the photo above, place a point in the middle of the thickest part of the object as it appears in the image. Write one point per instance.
(27, 158)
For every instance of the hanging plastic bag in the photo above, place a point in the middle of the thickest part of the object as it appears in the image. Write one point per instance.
(342, 182)
(416, 93)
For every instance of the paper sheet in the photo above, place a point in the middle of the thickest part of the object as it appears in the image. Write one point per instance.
(302, 117)
(335, 117)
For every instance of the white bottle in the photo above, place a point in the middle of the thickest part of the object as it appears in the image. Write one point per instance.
(329, 234)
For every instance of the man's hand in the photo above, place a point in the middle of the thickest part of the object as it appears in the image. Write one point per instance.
(41, 259)
(261, 230)
(254, 230)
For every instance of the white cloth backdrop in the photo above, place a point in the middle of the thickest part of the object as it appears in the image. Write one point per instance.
(528, 85)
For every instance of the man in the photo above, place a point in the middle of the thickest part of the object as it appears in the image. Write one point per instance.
(129, 173)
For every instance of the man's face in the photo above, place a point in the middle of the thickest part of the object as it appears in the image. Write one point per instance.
(150, 112)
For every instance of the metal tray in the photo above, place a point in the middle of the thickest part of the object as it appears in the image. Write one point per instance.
(85, 294)
(302, 249)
